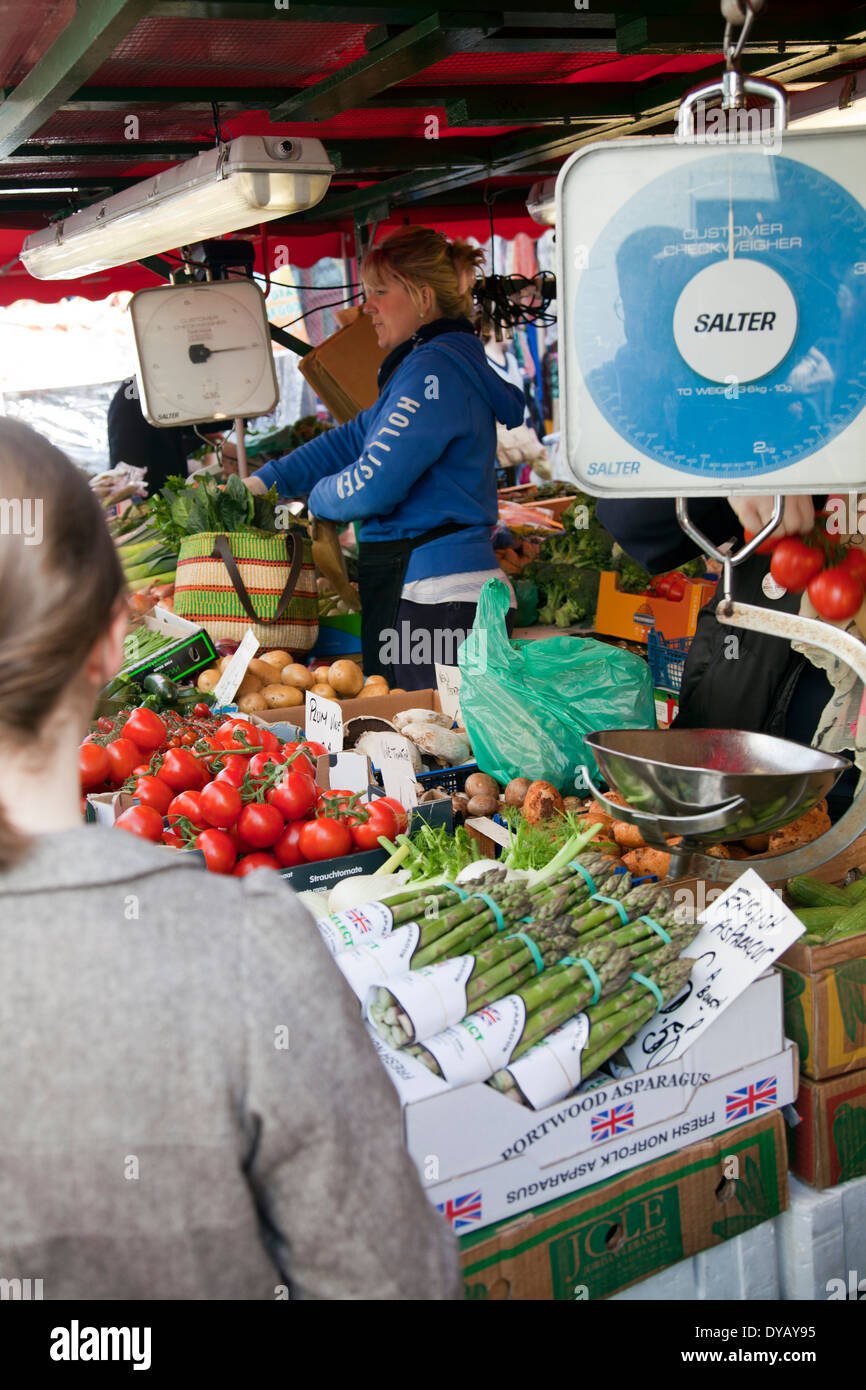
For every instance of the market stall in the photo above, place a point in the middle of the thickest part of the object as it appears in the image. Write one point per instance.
(615, 972)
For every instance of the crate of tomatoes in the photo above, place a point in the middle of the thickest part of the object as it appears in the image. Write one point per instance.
(237, 793)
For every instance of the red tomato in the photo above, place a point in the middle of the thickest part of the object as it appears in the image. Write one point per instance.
(152, 791)
(836, 593)
(261, 764)
(221, 804)
(146, 730)
(317, 749)
(324, 839)
(182, 771)
(676, 587)
(400, 811)
(297, 761)
(260, 824)
(294, 796)
(234, 769)
(188, 806)
(255, 861)
(143, 770)
(123, 756)
(218, 850)
(381, 820)
(268, 742)
(287, 849)
(795, 563)
(766, 547)
(173, 841)
(93, 765)
(237, 734)
(855, 561)
(142, 821)
(201, 710)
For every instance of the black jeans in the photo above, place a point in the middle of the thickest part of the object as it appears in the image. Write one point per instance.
(428, 633)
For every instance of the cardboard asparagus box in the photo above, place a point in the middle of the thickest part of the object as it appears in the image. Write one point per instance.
(616, 1233)
(385, 706)
(828, 1146)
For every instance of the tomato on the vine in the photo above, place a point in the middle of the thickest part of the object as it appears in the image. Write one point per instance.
(218, 850)
(173, 841)
(201, 710)
(795, 564)
(93, 765)
(297, 760)
(233, 770)
(146, 730)
(380, 820)
(400, 811)
(237, 734)
(255, 861)
(294, 796)
(152, 791)
(287, 849)
(261, 764)
(182, 771)
(123, 756)
(836, 593)
(317, 749)
(142, 821)
(260, 824)
(187, 806)
(221, 804)
(325, 838)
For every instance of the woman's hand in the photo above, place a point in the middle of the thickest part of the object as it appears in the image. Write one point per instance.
(255, 485)
(798, 515)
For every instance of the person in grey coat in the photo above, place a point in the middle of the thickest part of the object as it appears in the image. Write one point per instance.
(190, 1107)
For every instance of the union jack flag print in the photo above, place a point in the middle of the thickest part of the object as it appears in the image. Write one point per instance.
(463, 1211)
(607, 1124)
(750, 1099)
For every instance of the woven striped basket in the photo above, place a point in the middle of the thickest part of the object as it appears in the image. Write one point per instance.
(206, 593)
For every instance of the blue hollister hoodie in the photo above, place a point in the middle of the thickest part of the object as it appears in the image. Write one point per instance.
(421, 456)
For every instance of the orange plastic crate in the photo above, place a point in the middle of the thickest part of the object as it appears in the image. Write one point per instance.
(631, 616)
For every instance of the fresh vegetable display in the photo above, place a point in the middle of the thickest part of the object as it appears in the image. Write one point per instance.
(829, 914)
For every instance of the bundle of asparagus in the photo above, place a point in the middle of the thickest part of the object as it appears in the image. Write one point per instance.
(421, 1002)
(550, 1071)
(492, 1037)
(440, 935)
(373, 920)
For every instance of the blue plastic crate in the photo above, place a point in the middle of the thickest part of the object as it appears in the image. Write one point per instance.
(667, 659)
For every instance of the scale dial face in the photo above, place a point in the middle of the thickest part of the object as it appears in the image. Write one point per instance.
(204, 352)
(713, 316)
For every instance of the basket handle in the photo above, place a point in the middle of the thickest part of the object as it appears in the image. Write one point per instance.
(294, 555)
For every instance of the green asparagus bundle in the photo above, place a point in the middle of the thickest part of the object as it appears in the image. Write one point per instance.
(612, 1023)
(522, 1017)
(591, 922)
(451, 988)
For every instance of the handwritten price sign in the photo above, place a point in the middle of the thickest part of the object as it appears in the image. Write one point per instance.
(741, 935)
(395, 765)
(448, 685)
(324, 722)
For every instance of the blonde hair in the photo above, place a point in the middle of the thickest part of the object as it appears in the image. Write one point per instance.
(418, 256)
(60, 578)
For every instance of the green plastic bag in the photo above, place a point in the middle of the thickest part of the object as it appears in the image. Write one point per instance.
(527, 705)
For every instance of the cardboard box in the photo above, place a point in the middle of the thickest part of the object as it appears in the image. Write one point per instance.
(191, 650)
(384, 706)
(508, 1158)
(825, 1005)
(342, 369)
(622, 1231)
(616, 612)
(828, 1146)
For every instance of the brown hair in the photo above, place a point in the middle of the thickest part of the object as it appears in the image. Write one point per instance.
(418, 256)
(60, 578)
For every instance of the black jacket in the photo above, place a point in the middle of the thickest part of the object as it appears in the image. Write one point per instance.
(733, 678)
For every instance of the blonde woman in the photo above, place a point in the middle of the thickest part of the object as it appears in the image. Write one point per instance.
(418, 468)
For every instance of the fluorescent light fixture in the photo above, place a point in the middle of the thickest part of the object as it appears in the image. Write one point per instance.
(541, 203)
(26, 190)
(249, 180)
